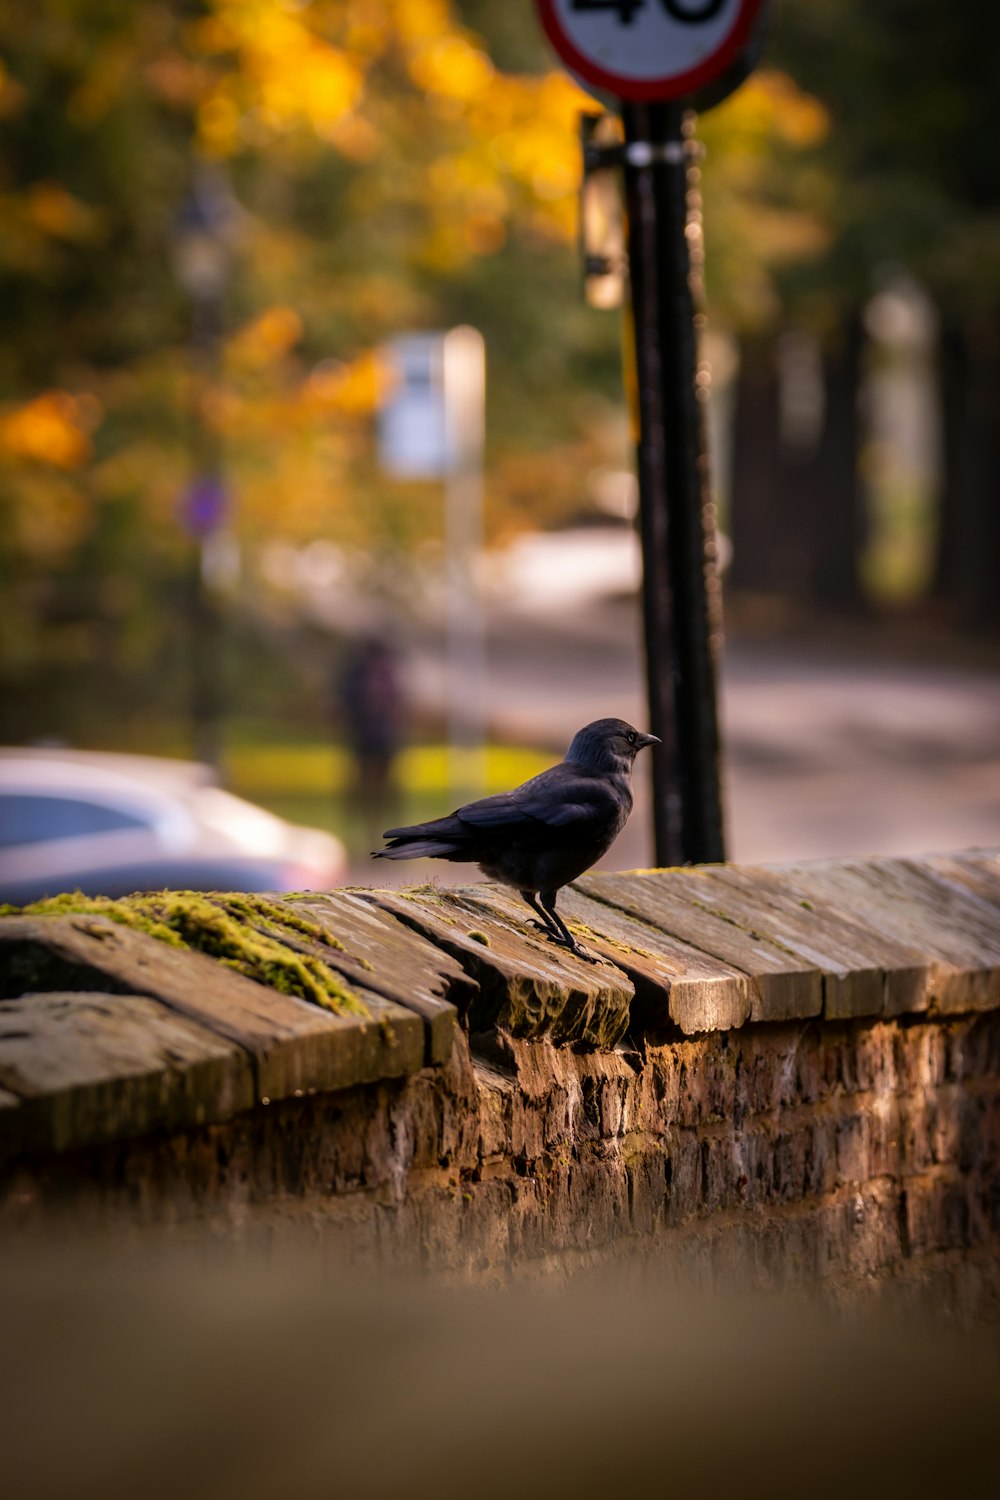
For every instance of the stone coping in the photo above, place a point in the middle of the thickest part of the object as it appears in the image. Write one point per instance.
(107, 1033)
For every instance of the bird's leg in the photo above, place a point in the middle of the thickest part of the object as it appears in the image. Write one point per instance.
(548, 900)
(546, 924)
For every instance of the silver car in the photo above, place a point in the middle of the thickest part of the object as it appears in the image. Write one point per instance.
(108, 824)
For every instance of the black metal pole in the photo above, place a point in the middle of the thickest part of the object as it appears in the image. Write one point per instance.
(681, 609)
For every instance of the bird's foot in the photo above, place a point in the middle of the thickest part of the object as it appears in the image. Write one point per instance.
(546, 930)
(588, 958)
(572, 946)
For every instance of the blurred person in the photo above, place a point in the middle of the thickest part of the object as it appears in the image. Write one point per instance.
(371, 709)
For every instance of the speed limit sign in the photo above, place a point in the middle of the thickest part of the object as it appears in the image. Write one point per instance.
(649, 49)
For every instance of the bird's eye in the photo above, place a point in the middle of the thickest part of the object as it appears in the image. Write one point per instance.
(631, 737)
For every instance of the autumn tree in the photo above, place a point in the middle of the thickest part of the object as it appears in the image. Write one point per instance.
(393, 164)
(905, 176)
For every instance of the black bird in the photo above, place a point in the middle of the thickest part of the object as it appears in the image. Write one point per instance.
(545, 833)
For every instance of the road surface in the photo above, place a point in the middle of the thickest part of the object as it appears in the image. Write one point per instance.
(826, 753)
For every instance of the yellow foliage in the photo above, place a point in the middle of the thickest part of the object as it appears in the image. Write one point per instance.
(353, 136)
(144, 468)
(452, 67)
(286, 73)
(268, 338)
(471, 157)
(484, 234)
(49, 515)
(108, 69)
(176, 79)
(354, 389)
(54, 211)
(219, 124)
(305, 66)
(762, 207)
(417, 21)
(770, 107)
(12, 95)
(221, 409)
(52, 429)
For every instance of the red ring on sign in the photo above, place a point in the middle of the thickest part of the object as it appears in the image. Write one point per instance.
(678, 85)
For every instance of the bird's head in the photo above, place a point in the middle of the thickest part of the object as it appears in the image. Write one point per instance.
(608, 745)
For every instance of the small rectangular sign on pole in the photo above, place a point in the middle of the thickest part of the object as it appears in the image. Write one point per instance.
(465, 413)
(431, 426)
(412, 433)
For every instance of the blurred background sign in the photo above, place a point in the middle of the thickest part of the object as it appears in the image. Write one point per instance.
(203, 505)
(432, 426)
(413, 436)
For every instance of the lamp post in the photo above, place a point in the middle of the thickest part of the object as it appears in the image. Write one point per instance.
(202, 243)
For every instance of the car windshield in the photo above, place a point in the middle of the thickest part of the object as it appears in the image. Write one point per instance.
(27, 818)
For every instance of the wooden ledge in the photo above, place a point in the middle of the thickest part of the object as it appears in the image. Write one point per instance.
(107, 1033)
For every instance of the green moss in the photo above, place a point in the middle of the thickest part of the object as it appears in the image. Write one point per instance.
(428, 895)
(479, 937)
(315, 930)
(807, 904)
(248, 933)
(277, 915)
(74, 903)
(581, 929)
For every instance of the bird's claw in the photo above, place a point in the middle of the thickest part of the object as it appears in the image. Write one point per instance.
(543, 927)
(557, 937)
(573, 947)
(578, 952)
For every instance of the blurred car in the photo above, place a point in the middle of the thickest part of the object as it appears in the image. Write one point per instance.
(108, 824)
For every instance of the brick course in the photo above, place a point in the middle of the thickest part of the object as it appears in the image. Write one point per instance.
(845, 1150)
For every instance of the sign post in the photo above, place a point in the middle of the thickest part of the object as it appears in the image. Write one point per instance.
(432, 427)
(656, 60)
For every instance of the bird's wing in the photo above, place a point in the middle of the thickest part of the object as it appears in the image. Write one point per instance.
(557, 798)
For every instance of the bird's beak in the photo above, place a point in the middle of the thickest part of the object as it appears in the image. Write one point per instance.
(647, 739)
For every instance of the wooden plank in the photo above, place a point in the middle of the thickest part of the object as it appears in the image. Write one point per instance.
(390, 1042)
(88, 1068)
(673, 981)
(865, 972)
(527, 985)
(941, 920)
(975, 874)
(294, 1045)
(384, 956)
(783, 986)
(986, 861)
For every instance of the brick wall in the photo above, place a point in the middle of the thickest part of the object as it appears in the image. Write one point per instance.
(862, 1151)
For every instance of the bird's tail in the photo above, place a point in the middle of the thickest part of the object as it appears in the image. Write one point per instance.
(439, 839)
(417, 849)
